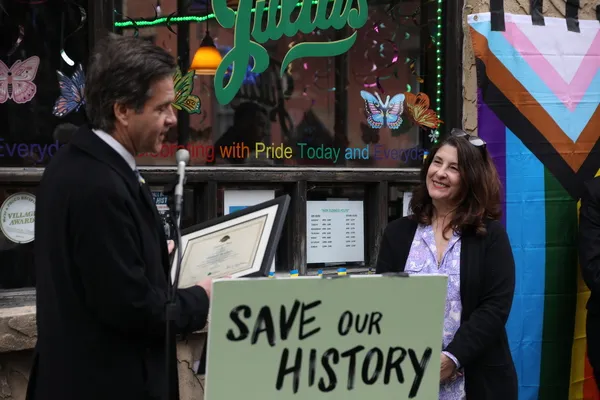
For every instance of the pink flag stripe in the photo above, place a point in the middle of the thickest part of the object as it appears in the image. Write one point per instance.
(569, 93)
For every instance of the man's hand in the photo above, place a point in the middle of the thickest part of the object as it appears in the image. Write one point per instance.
(447, 368)
(170, 246)
(207, 286)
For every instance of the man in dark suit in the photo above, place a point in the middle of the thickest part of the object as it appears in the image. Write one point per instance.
(589, 261)
(100, 251)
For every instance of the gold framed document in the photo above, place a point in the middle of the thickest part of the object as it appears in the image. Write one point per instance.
(242, 243)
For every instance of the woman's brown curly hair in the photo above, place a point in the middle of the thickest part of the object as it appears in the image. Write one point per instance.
(480, 189)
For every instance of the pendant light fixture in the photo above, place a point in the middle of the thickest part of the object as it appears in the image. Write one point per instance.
(207, 57)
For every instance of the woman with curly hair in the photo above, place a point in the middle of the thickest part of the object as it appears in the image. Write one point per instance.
(454, 229)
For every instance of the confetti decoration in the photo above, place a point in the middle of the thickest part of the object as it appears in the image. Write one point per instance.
(16, 82)
(382, 114)
(433, 136)
(389, 69)
(308, 70)
(20, 38)
(83, 18)
(71, 92)
(412, 62)
(169, 22)
(136, 28)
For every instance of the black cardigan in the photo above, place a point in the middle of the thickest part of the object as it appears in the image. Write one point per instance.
(487, 281)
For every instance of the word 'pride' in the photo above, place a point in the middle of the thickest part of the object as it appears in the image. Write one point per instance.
(325, 370)
(244, 48)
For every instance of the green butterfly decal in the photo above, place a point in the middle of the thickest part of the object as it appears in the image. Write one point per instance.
(184, 99)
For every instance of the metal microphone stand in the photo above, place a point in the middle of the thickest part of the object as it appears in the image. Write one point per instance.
(172, 389)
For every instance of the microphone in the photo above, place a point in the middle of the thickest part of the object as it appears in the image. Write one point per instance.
(183, 157)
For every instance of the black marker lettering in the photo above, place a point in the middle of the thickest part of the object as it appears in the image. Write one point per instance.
(264, 323)
(419, 368)
(352, 364)
(375, 319)
(285, 322)
(294, 369)
(395, 364)
(312, 361)
(343, 326)
(305, 321)
(357, 324)
(235, 317)
(369, 380)
(335, 355)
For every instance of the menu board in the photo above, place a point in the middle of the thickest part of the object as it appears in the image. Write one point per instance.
(335, 231)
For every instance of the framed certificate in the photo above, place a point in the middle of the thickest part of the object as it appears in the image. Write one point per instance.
(242, 243)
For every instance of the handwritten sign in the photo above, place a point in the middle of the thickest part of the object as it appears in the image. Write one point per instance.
(244, 47)
(309, 338)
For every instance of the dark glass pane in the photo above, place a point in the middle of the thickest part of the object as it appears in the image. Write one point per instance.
(17, 269)
(298, 119)
(31, 133)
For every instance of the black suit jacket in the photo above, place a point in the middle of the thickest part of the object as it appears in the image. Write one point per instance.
(589, 243)
(102, 263)
(487, 282)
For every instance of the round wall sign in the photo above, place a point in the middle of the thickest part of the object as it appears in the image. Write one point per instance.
(17, 217)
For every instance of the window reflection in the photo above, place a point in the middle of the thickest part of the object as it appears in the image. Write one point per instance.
(37, 42)
(292, 120)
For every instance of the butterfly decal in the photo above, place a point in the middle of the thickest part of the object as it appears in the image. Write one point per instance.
(16, 82)
(184, 99)
(417, 109)
(380, 114)
(71, 92)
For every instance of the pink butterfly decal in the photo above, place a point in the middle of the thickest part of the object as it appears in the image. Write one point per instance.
(16, 82)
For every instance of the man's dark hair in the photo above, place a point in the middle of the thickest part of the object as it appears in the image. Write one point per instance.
(122, 70)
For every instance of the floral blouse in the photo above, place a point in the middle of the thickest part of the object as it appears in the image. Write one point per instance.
(422, 259)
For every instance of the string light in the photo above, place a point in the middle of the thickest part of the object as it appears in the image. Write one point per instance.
(186, 19)
(439, 63)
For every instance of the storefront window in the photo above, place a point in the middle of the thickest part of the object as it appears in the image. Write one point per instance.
(373, 106)
(41, 45)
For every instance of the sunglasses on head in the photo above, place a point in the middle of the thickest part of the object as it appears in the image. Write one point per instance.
(474, 140)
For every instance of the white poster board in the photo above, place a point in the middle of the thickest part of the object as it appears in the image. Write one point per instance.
(311, 338)
(234, 200)
(335, 231)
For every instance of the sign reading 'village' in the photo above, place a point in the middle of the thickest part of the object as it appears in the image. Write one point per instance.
(249, 34)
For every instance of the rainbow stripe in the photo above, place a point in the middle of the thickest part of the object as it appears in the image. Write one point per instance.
(541, 119)
(582, 381)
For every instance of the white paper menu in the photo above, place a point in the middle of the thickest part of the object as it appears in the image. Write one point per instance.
(335, 231)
